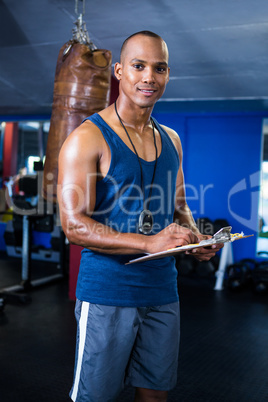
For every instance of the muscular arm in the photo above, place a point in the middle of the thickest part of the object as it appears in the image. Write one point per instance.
(79, 161)
(183, 215)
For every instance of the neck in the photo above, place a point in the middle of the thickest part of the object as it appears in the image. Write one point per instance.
(134, 116)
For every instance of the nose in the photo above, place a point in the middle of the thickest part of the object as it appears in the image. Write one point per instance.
(148, 76)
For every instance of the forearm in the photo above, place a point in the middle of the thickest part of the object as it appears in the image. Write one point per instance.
(86, 232)
(183, 216)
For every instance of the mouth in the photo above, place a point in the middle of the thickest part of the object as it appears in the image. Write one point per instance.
(147, 91)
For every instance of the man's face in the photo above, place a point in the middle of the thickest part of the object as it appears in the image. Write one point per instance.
(143, 71)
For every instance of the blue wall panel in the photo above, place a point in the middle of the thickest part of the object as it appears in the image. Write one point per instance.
(221, 166)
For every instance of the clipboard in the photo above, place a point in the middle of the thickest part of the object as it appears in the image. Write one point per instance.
(224, 235)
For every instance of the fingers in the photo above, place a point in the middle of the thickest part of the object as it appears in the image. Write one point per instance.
(174, 236)
(204, 237)
(205, 253)
(181, 235)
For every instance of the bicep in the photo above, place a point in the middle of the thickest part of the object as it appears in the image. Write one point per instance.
(77, 179)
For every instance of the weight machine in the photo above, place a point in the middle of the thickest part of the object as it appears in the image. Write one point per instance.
(26, 218)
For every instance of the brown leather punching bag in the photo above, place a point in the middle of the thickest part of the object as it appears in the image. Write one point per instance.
(81, 88)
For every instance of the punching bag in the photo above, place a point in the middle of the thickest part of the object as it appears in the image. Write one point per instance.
(81, 88)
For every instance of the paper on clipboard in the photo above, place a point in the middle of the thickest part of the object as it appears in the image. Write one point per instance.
(222, 236)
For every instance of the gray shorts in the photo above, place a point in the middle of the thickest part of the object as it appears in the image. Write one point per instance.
(124, 345)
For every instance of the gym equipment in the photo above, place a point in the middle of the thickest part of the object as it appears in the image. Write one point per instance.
(39, 213)
(81, 88)
(44, 236)
(248, 272)
(26, 217)
(238, 276)
(226, 258)
(260, 278)
(2, 304)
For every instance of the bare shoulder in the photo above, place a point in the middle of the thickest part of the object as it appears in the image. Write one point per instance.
(84, 140)
(174, 138)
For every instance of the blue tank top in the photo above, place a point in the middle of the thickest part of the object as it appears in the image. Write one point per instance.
(104, 278)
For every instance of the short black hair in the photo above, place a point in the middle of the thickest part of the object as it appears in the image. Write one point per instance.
(145, 33)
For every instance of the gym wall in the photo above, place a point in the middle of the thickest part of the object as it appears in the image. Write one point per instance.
(221, 161)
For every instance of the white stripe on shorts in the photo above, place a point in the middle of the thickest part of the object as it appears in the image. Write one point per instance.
(82, 339)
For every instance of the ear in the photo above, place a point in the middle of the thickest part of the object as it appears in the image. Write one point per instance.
(118, 70)
(168, 74)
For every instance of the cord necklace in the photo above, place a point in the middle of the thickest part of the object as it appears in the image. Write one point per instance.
(146, 220)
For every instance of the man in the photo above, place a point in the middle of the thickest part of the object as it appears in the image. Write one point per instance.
(121, 193)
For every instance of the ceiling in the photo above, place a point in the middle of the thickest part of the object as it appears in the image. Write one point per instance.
(218, 49)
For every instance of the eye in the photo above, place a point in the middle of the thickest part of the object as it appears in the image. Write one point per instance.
(161, 69)
(138, 66)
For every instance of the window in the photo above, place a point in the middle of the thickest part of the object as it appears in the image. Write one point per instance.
(262, 242)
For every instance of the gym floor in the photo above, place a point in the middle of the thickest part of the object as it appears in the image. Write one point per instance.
(223, 354)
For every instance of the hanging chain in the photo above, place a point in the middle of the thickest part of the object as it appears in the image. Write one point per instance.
(76, 7)
(80, 33)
